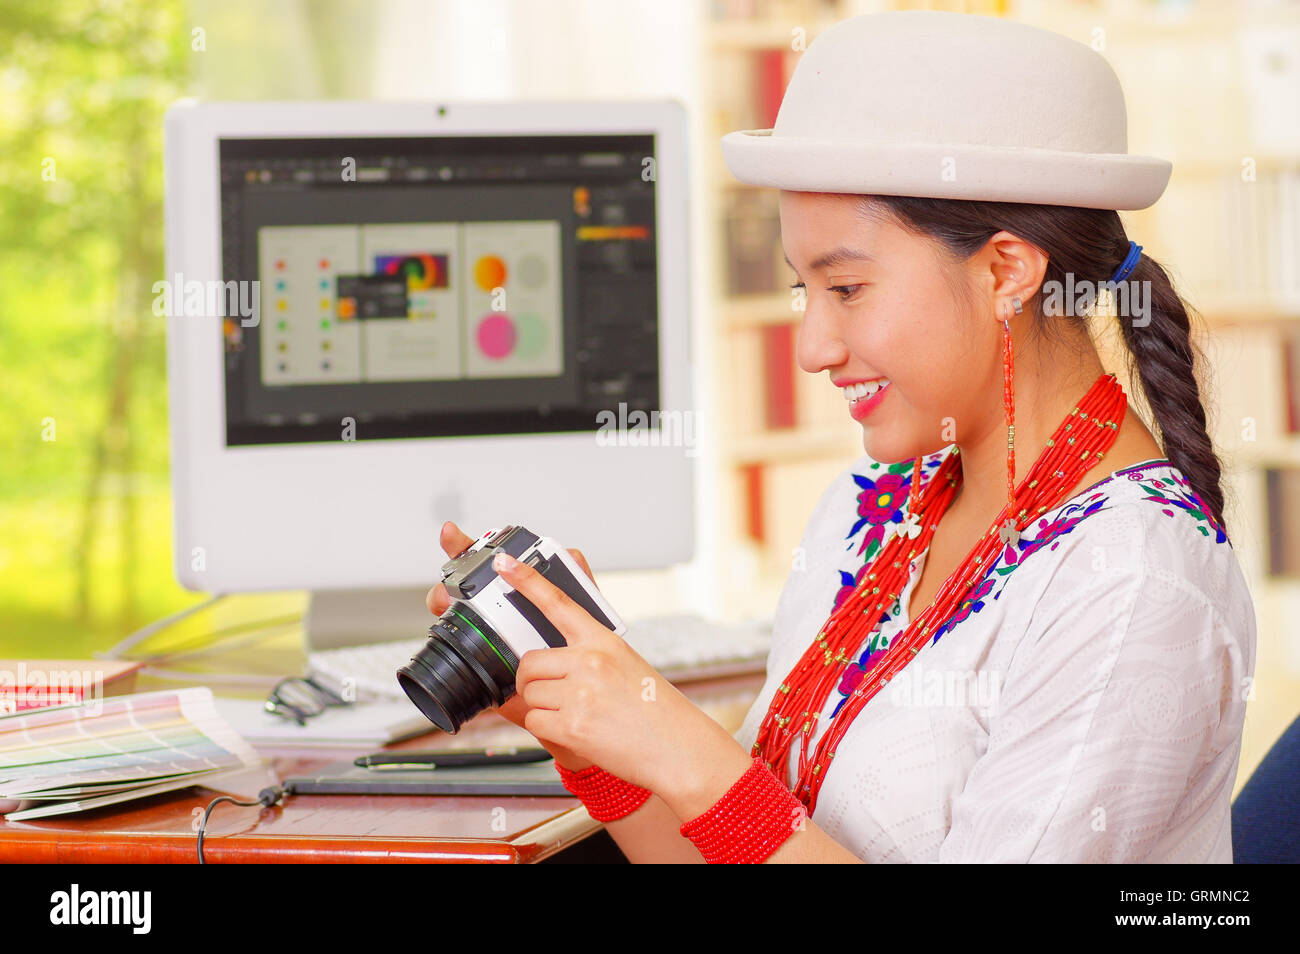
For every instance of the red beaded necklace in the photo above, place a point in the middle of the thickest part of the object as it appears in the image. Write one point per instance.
(798, 702)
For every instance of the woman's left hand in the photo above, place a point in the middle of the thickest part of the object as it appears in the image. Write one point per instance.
(601, 700)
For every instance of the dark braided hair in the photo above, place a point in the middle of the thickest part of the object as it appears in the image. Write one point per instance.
(1090, 244)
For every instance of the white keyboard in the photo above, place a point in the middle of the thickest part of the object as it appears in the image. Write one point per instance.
(681, 648)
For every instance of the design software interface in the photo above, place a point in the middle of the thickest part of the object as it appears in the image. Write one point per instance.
(441, 286)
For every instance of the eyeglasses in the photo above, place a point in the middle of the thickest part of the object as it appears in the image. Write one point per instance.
(301, 697)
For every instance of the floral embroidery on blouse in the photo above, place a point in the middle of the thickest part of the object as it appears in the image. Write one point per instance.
(872, 653)
(1047, 534)
(884, 494)
(880, 502)
(1176, 491)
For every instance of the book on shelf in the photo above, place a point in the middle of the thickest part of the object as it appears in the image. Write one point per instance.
(793, 490)
(1260, 243)
(753, 236)
(779, 374)
(1282, 492)
(774, 68)
(1291, 379)
(743, 413)
(1286, 238)
(753, 475)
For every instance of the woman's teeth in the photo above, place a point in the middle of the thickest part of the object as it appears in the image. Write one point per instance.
(855, 391)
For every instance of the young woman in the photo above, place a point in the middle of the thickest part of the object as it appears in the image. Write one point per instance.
(1016, 629)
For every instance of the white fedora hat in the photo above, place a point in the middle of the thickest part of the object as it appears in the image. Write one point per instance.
(951, 106)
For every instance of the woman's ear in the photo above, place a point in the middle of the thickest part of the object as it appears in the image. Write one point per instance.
(1017, 268)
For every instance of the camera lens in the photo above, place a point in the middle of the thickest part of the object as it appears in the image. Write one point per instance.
(464, 668)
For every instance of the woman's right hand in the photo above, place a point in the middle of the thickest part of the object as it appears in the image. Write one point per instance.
(454, 542)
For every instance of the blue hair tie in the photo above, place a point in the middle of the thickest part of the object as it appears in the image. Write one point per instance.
(1130, 260)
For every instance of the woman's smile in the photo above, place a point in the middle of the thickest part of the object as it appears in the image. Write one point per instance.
(864, 396)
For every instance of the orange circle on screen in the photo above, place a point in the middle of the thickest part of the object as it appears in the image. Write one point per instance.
(489, 273)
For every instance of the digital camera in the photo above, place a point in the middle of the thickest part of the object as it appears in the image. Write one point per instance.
(474, 648)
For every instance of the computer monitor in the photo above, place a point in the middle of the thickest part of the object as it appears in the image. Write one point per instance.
(382, 316)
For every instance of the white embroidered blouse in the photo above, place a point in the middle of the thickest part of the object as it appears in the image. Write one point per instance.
(1084, 704)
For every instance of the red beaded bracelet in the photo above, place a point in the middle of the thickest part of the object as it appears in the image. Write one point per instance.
(606, 797)
(751, 821)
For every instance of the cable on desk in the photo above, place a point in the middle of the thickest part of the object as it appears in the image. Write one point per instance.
(140, 635)
(212, 642)
(223, 640)
(194, 676)
(267, 797)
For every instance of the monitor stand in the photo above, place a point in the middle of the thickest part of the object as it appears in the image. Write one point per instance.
(356, 617)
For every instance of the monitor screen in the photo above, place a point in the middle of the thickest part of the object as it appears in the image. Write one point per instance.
(414, 287)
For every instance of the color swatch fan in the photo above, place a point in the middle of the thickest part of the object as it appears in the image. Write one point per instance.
(70, 758)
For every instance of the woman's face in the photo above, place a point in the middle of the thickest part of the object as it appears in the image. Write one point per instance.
(892, 316)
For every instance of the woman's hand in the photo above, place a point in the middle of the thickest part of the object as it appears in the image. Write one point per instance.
(454, 542)
(597, 698)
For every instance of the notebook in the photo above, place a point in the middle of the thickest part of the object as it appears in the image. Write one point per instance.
(361, 725)
(345, 778)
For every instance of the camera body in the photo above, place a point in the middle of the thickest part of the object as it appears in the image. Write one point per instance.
(521, 625)
(474, 647)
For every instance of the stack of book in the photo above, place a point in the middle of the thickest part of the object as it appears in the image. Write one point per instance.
(38, 683)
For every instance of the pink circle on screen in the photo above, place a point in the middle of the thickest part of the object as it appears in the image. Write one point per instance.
(496, 335)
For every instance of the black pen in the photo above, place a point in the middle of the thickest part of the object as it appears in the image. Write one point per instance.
(451, 758)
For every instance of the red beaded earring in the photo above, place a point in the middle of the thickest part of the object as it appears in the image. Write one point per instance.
(1008, 532)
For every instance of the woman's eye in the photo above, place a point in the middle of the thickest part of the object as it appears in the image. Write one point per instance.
(844, 291)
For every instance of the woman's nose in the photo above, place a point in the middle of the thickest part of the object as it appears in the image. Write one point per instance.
(819, 344)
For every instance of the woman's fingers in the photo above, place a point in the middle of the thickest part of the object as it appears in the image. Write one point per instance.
(553, 663)
(438, 599)
(543, 694)
(453, 540)
(514, 709)
(582, 562)
(569, 618)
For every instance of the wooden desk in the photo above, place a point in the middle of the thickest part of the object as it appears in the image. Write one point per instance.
(307, 828)
(340, 828)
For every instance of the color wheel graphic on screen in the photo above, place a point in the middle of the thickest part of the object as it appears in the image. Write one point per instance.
(422, 271)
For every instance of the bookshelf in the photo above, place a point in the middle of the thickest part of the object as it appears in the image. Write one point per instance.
(1210, 86)
(785, 433)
